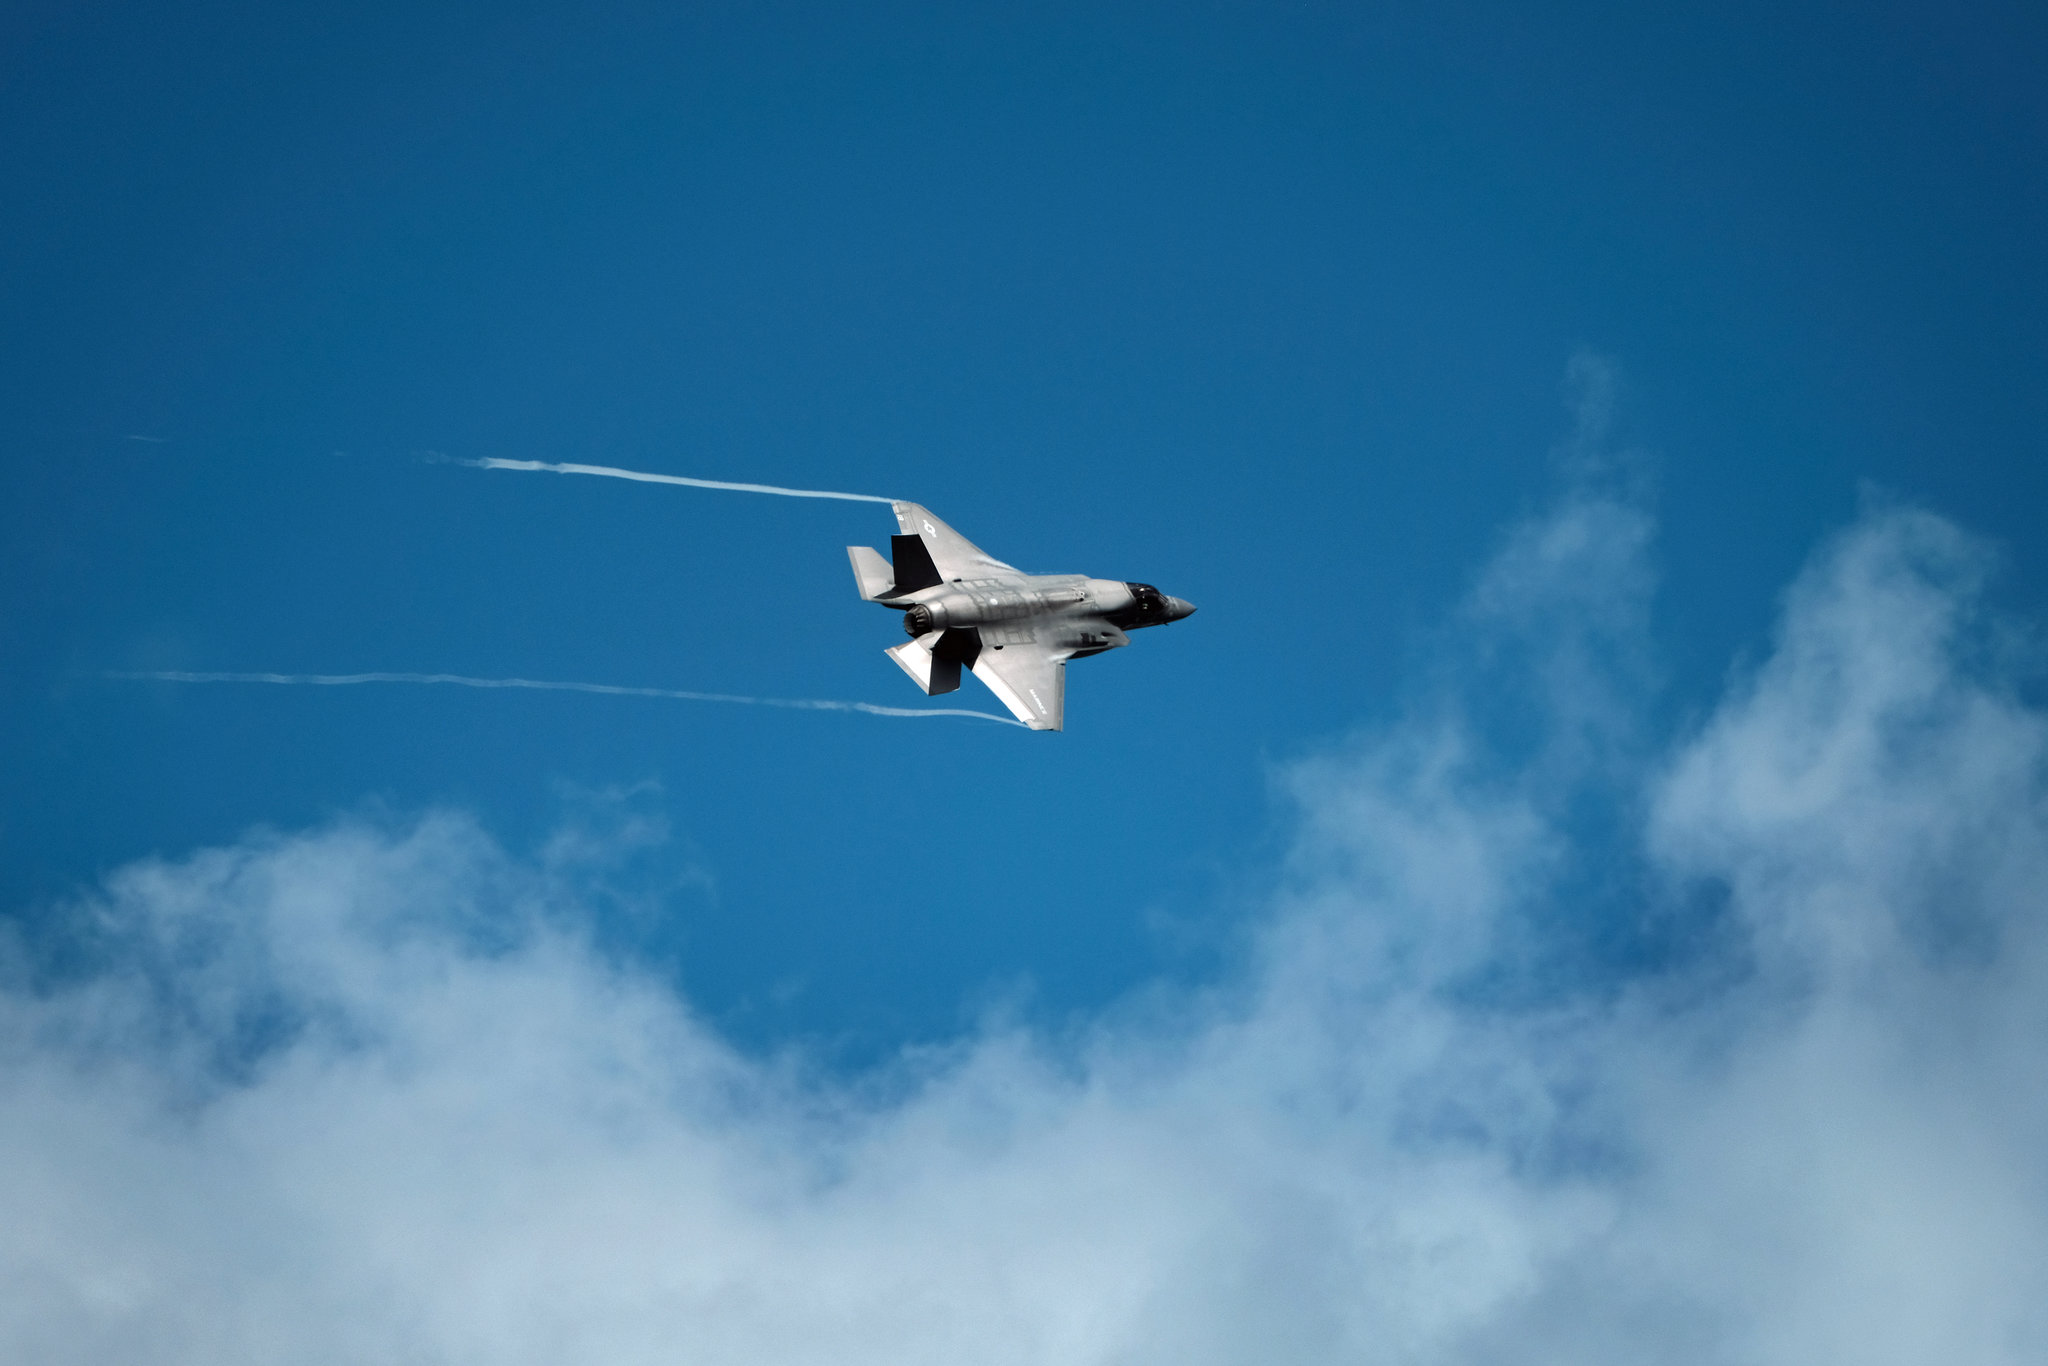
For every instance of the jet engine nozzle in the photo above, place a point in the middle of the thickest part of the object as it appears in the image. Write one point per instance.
(950, 610)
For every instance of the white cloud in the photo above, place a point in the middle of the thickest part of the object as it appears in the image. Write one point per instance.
(465, 1136)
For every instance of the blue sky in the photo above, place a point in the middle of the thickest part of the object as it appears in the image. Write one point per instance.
(1605, 445)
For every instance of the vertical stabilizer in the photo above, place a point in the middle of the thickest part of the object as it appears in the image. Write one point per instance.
(913, 565)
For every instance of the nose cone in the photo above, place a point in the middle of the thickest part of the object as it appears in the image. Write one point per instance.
(1176, 608)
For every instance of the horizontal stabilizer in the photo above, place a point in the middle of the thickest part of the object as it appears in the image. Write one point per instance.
(870, 571)
(915, 659)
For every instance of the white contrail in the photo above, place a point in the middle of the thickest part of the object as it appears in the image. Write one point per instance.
(493, 463)
(610, 689)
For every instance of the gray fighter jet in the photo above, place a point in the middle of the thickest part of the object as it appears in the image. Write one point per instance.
(1016, 631)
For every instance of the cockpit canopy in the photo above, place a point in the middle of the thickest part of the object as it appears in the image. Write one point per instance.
(1148, 608)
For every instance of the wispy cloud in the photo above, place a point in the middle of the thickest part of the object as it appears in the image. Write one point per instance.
(366, 1093)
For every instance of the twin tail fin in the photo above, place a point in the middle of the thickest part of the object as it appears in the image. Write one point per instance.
(881, 580)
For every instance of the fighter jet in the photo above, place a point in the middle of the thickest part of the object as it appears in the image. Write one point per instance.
(1016, 631)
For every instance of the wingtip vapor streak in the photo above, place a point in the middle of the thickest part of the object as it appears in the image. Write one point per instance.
(1015, 631)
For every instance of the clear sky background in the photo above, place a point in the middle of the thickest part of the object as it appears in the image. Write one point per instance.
(1558, 414)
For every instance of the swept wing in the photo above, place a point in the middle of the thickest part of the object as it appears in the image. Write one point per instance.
(955, 555)
(1031, 679)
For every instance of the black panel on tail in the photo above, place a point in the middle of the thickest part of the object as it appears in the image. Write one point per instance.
(961, 645)
(914, 567)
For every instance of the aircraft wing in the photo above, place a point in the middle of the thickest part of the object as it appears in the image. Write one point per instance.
(955, 555)
(1030, 678)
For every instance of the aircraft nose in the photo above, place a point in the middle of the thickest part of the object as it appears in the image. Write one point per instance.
(1176, 608)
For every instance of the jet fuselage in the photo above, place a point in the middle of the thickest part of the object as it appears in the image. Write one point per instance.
(1016, 631)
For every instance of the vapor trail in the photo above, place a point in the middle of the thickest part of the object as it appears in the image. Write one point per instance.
(609, 689)
(492, 463)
